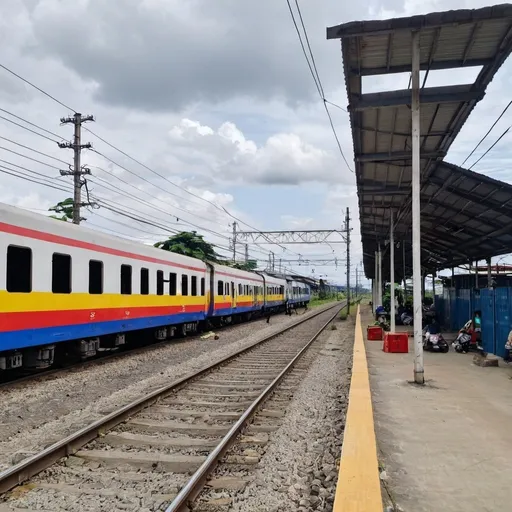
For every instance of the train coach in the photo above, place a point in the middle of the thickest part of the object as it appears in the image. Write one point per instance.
(298, 294)
(69, 292)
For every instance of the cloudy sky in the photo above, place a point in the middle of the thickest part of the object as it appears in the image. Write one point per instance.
(215, 100)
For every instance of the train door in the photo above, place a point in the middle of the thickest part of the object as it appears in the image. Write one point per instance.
(233, 295)
(210, 290)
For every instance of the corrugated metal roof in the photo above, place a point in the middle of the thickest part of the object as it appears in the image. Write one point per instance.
(381, 132)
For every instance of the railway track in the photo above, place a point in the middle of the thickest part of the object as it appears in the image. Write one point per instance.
(12, 379)
(157, 453)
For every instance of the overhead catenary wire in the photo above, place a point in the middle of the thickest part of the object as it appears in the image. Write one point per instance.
(314, 73)
(31, 123)
(36, 87)
(34, 150)
(489, 149)
(486, 135)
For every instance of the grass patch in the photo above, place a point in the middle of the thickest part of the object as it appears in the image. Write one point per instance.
(333, 328)
(315, 301)
(343, 314)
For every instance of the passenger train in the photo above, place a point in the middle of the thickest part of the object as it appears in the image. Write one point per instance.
(67, 291)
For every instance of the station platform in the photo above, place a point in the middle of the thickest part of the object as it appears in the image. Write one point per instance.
(446, 445)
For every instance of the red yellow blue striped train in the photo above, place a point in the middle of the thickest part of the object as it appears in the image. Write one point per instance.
(67, 291)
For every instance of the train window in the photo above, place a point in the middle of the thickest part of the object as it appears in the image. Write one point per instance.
(126, 279)
(226, 290)
(61, 273)
(239, 289)
(159, 282)
(19, 269)
(220, 288)
(173, 283)
(184, 284)
(193, 286)
(202, 287)
(95, 277)
(144, 281)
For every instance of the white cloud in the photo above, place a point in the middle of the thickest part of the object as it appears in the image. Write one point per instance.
(283, 159)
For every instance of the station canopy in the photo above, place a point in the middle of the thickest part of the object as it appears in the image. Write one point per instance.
(465, 216)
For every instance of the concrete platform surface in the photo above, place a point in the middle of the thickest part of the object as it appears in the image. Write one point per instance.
(446, 446)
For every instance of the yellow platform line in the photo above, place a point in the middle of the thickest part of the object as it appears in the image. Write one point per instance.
(358, 488)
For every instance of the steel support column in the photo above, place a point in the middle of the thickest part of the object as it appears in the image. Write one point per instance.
(489, 275)
(379, 282)
(419, 377)
(392, 271)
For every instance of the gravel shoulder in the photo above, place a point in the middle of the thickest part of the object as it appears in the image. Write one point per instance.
(36, 414)
(299, 469)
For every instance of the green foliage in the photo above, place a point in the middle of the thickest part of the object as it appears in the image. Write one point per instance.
(386, 299)
(64, 207)
(190, 244)
(343, 314)
(249, 265)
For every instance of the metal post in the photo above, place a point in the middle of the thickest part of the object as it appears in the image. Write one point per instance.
(77, 171)
(347, 227)
(476, 274)
(489, 275)
(379, 282)
(392, 271)
(419, 377)
(234, 242)
(375, 281)
(246, 253)
(77, 182)
(357, 282)
(405, 279)
(434, 288)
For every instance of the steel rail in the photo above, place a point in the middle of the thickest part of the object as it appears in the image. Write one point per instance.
(194, 486)
(101, 359)
(27, 468)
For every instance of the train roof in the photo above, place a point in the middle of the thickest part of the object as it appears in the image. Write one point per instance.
(10, 215)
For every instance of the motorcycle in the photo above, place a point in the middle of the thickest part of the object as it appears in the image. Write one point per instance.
(435, 343)
(406, 319)
(381, 318)
(462, 343)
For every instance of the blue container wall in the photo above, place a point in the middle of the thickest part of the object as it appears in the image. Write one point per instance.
(503, 307)
(495, 305)
(488, 323)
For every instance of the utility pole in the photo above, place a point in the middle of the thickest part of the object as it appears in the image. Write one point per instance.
(246, 253)
(273, 262)
(77, 171)
(347, 230)
(357, 281)
(234, 242)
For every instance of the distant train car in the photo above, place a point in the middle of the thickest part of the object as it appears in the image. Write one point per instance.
(298, 294)
(235, 292)
(275, 291)
(67, 286)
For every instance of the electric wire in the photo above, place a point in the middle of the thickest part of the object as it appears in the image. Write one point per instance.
(488, 132)
(36, 87)
(489, 149)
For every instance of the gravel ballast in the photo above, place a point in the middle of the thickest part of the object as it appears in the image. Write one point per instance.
(37, 413)
(299, 469)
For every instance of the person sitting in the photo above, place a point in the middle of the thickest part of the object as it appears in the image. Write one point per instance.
(433, 328)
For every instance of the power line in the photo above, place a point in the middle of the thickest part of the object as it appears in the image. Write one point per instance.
(316, 78)
(488, 132)
(496, 142)
(34, 150)
(36, 87)
(27, 178)
(29, 158)
(31, 123)
(28, 129)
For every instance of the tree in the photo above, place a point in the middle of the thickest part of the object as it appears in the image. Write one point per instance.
(190, 244)
(248, 265)
(64, 207)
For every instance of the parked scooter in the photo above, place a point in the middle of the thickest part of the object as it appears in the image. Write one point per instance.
(406, 319)
(381, 318)
(434, 341)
